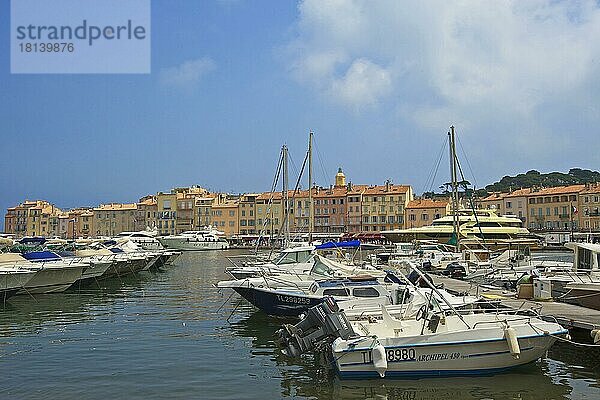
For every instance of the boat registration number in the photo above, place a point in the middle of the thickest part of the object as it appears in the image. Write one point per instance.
(395, 355)
(292, 299)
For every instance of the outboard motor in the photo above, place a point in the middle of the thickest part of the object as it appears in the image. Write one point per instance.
(321, 325)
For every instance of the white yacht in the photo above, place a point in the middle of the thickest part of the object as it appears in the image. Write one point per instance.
(473, 224)
(145, 239)
(207, 239)
(50, 276)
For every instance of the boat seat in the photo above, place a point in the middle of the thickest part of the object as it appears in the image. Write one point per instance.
(390, 322)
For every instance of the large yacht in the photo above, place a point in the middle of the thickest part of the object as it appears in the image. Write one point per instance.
(208, 239)
(473, 224)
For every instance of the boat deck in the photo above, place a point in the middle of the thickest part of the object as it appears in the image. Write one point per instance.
(568, 315)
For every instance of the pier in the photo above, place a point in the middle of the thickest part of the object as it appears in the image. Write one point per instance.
(568, 315)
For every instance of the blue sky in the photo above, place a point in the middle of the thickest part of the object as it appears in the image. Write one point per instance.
(378, 82)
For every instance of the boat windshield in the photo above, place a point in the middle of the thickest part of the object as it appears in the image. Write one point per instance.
(293, 257)
(319, 268)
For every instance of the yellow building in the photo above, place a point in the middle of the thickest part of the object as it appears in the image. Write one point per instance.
(31, 218)
(114, 218)
(146, 212)
(224, 217)
(166, 212)
(247, 214)
(589, 208)
(383, 207)
(269, 213)
(354, 201)
(552, 208)
(421, 212)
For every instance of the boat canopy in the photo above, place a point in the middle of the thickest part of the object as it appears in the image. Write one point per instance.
(336, 245)
(41, 256)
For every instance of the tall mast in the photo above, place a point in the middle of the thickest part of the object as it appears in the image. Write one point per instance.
(286, 206)
(311, 221)
(454, 184)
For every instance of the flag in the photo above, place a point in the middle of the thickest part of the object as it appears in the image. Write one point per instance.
(574, 210)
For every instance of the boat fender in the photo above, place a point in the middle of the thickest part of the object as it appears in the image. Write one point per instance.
(513, 343)
(595, 333)
(379, 359)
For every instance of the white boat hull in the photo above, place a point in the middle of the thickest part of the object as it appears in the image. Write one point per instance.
(468, 352)
(53, 279)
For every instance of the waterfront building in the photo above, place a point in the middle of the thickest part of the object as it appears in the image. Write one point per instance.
(270, 213)
(225, 217)
(80, 223)
(112, 218)
(145, 216)
(589, 207)
(354, 201)
(31, 218)
(421, 212)
(494, 201)
(203, 209)
(511, 203)
(553, 208)
(247, 213)
(330, 209)
(383, 206)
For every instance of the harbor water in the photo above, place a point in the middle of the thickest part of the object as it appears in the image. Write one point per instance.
(171, 334)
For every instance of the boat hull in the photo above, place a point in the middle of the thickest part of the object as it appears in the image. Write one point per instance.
(52, 280)
(278, 303)
(416, 360)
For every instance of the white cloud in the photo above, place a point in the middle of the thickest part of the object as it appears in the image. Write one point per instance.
(363, 84)
(187, 74)
(439, 62)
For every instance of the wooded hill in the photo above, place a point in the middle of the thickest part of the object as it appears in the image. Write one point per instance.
(575, 176)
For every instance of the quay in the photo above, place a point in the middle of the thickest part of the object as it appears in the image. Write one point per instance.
(568, 315)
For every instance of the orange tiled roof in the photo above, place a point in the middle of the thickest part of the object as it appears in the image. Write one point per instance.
(427, 203)
(495, 196)
(557, 190)
(593, 188)
(381, 189)
(519, 193)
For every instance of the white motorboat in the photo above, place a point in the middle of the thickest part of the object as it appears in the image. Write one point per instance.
(51, 276)
(469, 344)
(208, 239)
(12, 280)
(432, 343)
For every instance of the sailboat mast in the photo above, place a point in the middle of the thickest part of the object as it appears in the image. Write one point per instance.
(311, 221)
(454, 184)
(286, 206)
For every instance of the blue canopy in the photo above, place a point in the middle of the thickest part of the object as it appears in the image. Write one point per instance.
(41, 256)
(336, 245)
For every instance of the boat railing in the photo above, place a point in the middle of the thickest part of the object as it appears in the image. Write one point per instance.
(522, 318)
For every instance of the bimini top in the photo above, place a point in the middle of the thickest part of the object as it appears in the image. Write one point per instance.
(41, 256)
(336, 245)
